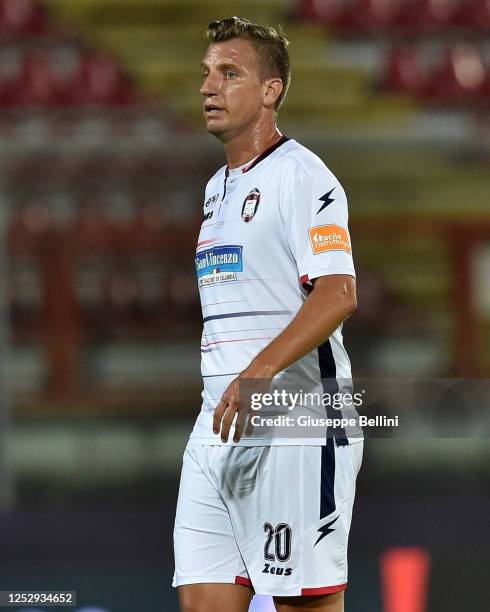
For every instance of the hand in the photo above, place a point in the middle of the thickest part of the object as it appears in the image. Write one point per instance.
(230, 404)
(226, 410)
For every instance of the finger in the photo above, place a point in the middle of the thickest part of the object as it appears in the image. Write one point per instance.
(230, 413)
(243, 414)
(250, 428)
(240, 422)
(218, 414)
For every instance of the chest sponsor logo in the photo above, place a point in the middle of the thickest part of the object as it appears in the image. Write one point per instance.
(250, 205)
(219, 264)
(325, 238)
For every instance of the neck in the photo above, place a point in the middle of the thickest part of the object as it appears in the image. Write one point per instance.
(245, 147)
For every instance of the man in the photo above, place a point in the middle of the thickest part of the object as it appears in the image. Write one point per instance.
(265, 513)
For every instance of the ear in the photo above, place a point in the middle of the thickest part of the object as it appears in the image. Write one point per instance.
(273, 89)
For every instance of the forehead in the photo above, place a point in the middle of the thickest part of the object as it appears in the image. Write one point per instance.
(239, 51)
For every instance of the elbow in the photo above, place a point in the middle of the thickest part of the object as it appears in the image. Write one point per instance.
(350, 306)
(351, 295)
(339, 291)
(350, 298)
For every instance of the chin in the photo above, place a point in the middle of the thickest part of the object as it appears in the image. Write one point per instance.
(216, 130)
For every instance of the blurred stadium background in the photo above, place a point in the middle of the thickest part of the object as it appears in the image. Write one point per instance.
(103, 161)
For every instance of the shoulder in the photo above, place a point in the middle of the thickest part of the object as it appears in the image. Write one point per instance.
(297, 161)
(305, 180)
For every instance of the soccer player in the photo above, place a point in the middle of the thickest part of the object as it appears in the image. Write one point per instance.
(269, 513)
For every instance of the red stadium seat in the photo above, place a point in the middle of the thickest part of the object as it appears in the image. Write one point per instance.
(38, 84)
(384, 13)
(404, 72)
(328, 12)
(460, 77)
(476, 15)
(415, 16)
(100, 81)
(409, 16)
(346, 16)
(4, 28)
(21, 17)
(439, 14)
(7, 89)
(357, 16)
(372, 15)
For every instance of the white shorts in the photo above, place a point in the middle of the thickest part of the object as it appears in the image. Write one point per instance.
(275, 518)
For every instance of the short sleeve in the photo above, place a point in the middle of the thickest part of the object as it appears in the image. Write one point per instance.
(315, 216)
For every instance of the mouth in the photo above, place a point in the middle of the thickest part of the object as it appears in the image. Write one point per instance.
(210, 110)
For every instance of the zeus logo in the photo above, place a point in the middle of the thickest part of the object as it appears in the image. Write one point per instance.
(277, 571)
(326, 199)
(325, 530)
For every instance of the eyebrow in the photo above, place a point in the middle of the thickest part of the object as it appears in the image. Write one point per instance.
(221, 66)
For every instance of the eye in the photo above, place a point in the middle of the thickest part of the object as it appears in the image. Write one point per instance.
(204, 75)
(230, 74)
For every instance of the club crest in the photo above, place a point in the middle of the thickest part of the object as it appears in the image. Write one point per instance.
(250, 205)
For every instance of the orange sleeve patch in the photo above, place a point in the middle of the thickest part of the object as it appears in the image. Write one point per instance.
(329, 238)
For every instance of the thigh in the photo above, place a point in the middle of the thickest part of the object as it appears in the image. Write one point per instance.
(204, 544)
(212, 597)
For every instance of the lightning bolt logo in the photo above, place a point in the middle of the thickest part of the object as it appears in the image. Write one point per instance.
(326, 199)
(325, 530)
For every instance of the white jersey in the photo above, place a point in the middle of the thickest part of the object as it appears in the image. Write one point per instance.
(269, 229)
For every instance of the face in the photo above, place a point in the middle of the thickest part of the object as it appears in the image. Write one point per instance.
(234, 97)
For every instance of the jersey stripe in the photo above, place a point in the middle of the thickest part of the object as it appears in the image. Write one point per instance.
(236, 340)
(327, 479)
(324, 590)
(206, 242)
(328, 374)
(256, 313)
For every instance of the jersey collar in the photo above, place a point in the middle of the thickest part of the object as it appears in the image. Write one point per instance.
(261, 157)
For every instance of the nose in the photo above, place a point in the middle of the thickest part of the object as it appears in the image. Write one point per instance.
(208, 87)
